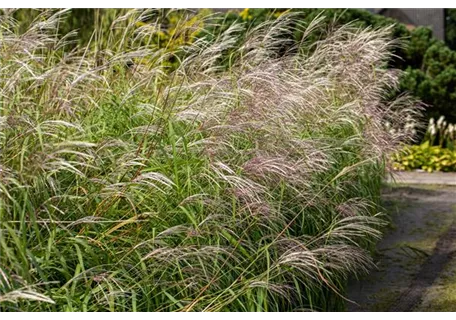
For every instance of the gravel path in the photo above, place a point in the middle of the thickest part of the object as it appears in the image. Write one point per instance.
(414, 254)
(419, 177)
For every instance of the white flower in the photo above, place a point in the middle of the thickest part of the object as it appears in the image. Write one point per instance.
(431, 129)
(440, 121)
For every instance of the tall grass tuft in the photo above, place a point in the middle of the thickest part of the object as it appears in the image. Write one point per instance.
(226, 173)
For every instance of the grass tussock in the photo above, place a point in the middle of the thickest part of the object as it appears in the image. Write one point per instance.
(244, 179)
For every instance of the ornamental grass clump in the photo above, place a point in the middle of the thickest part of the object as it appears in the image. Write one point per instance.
(244, 179)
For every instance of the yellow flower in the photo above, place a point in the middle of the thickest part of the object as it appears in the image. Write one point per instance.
(244, 14)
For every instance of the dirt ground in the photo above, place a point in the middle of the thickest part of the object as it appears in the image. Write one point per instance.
(416, 259)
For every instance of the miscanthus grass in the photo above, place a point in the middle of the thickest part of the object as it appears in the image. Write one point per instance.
(241, 179)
